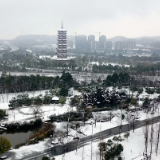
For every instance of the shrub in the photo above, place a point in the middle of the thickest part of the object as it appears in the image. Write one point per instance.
(126, 135)
(19, 145)
(64, 117)
(12, 127)
(102, 146)
(62, 100)
(33, 141)
(115, 138)
(123, 116)
(63, 92)
(109, 142)
(2, 113)
(149, 90)
(47, 99)
(101, 109)
(74, 101)
(45, 158)
(5, 144)
(133, 101)
(113, 152)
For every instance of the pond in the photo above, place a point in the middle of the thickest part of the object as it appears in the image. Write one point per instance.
(17, 138)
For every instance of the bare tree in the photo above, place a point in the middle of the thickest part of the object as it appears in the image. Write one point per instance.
(128, 120)
(83, 153)
(37, 111)
(151, 139)
(157, 138)
(146, 134)
(91, 143)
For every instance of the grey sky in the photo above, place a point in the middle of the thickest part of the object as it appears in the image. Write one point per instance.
(130, 18)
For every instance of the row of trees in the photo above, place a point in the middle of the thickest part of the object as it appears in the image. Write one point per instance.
(25, 100)
(152, 69)
(107, 68)
(11, 84)
(121, 78)
(151, 138)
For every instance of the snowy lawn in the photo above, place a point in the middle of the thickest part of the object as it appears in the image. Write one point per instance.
(133, 148)
(46, 110)
(25, 113)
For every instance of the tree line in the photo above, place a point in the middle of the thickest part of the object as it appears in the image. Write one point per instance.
(115, 78)
(12, 84)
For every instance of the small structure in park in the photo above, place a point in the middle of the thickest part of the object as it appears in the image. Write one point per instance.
(55, 100)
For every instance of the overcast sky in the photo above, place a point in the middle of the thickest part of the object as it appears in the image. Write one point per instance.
(130, 18)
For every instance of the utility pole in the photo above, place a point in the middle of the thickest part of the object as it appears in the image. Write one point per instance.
(91, 141)
(75, 38)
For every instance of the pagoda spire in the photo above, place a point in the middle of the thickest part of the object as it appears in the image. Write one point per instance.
(62, 25)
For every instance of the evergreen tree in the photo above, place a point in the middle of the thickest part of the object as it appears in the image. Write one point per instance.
(5, 144)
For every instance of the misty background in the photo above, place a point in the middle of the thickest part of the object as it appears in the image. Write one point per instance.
(131, 18)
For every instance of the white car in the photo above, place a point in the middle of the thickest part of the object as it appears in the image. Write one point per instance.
(3, 157)
(55, 142)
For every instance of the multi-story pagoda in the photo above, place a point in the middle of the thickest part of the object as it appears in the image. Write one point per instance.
(62, 43)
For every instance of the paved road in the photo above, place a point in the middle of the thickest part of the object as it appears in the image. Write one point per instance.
(60, 149)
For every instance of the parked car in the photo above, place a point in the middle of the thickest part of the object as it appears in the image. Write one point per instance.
(3, 157)
(76, 138)
(55, 142)
(101, 120)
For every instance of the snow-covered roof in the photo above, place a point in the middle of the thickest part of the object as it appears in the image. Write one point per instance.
(4, 106)
(55, 98)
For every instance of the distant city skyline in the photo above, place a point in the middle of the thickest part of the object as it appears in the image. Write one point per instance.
(133, 18)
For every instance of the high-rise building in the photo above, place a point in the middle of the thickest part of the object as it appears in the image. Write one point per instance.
(118, 45)
(131, 45)
(81, 42)
(91, 38)
(108, 45)
(62, 43)
(94, 45)
(70, 44)
(102, 40)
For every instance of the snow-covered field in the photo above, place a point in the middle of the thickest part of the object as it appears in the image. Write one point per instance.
(134, 147)
(113, 64)
(26, 113)
(6, 97)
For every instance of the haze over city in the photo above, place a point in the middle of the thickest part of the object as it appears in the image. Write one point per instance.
(133, 18)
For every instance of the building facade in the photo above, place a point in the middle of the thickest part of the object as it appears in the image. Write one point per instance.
(91, 38)
(81, 42)
(102, 40)
(108, 45)
(94, 45)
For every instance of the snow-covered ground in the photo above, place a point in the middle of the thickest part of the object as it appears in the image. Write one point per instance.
(6, 97)
(113, 64)
(57, 109)
(26, 113)
(133, 148)
(46, 111)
